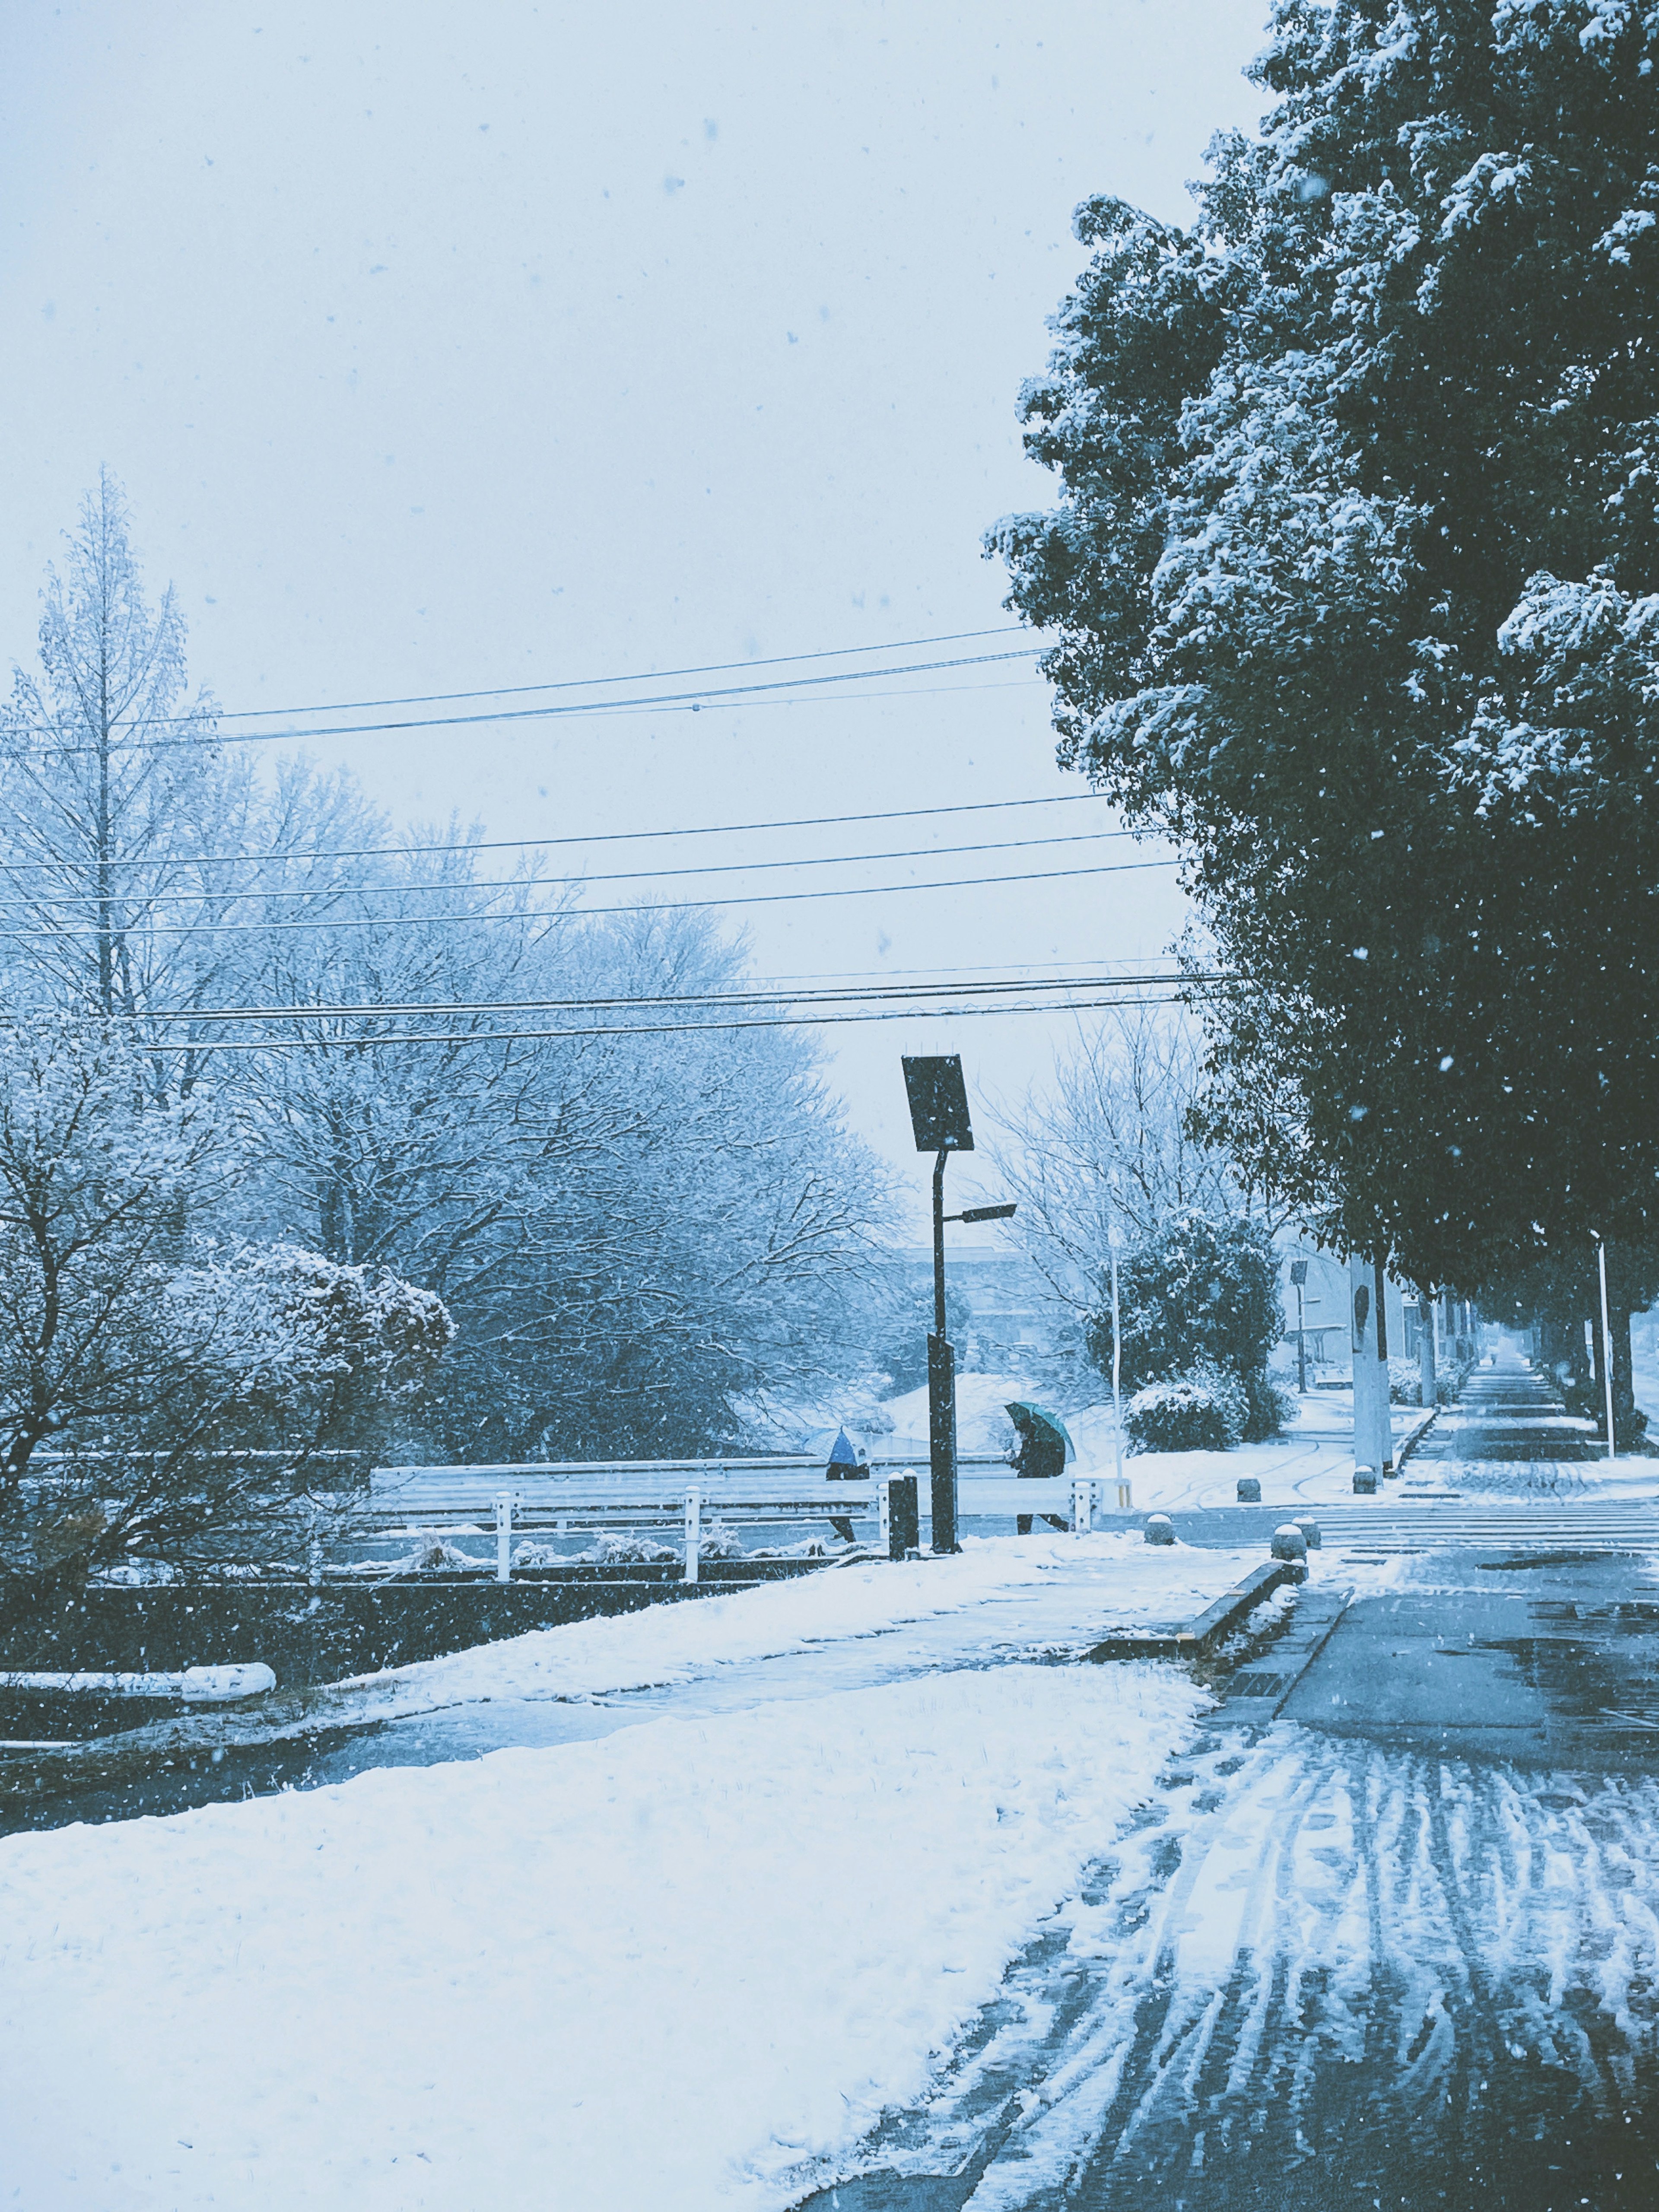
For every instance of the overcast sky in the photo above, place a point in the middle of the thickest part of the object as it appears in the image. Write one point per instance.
(441, 348)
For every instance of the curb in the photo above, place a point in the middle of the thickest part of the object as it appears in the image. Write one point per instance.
(1410, 1443)
(1200, 1634)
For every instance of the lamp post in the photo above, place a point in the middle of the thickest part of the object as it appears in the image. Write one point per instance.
(1298, 1277)
(939, 1122)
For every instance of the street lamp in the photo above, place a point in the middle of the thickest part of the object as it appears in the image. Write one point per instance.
(1298, 1277)
(939, 1120)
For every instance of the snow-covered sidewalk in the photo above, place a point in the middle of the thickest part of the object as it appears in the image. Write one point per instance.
(1001, 1599)
(671, 1967)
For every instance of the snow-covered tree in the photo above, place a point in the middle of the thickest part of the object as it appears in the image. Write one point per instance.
(1354, 580)
(155, 1396)
(1107, 1138)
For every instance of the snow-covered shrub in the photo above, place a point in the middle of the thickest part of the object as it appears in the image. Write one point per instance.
(717, 1541)
(432, 1551)
(1201, 1293)
(1203, 1410)
(628, 1549)
(1267, 1409)
(1405, 1382)
(539, 1555)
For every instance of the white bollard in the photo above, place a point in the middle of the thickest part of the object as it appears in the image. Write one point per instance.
(1083, 1504)
(504, 1536)
(884, 1515)
(693, 1531)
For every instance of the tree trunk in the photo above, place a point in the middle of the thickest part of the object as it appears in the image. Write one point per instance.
(1427, 1363)
(1629, 1425)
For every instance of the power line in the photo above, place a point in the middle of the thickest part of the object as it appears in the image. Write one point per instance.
(757, 995)
(681, 1029)
(591, 837)
(621, 875)
(593, 683)
(583, 913)
(712, 692)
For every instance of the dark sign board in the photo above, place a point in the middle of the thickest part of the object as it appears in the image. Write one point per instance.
(939, 1104)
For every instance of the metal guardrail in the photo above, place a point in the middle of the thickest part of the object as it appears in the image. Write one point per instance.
(562, 1498)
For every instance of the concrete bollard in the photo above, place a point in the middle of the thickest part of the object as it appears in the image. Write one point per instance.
(1310, 1533)
(903, 1517)
(1364, 1482)
(1160, 1529)
(1290, 1544)
(1249, 1490)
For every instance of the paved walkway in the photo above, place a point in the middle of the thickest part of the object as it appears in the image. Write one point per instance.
(1390, 1934)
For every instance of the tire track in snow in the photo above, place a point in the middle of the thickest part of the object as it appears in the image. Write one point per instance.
(1335, 1957)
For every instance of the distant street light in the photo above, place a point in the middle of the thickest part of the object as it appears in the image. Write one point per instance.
(1298, 1277)
(939, 1120)
(1114, 1245)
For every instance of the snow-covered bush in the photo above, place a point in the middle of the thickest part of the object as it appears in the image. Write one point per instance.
(1199, 1293)
(432, 1552)
(1405, 1382)
(717, 1541)
(626, 1548)
(1203, 1410)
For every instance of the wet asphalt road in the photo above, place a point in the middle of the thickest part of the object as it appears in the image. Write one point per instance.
(1390, 1938)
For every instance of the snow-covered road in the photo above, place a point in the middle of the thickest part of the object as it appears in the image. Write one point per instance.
(1327, 1960)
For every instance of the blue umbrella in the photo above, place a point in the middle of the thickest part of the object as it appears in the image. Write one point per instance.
(1038, 1418)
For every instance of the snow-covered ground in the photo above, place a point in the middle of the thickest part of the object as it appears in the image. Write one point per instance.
(1004, 1598)
(670, 1967)
(1313, 1462)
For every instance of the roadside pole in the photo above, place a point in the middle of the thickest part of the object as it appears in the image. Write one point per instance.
(1298, 1277)
(1362, 1339)
(1606, 1341)
(1115, 1243)
(1385, 1398)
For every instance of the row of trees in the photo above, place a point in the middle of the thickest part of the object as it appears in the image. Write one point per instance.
(625, 1231)
(1355, 574)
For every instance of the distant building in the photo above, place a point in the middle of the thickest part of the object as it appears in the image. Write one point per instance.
(1009, 1310)
(1325, 1309)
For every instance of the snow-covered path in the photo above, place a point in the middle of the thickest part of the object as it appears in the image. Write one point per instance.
(1000, 1602)
(666, 1968)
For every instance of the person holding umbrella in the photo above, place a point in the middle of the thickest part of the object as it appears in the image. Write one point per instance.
(1044, 1448)
(847, 1463)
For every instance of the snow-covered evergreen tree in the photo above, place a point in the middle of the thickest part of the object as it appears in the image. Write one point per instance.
(1354, 580)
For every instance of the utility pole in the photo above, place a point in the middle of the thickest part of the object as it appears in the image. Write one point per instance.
(1114, 1244)
(1385, 1396)
(1607, 1337)
(1373, 1444)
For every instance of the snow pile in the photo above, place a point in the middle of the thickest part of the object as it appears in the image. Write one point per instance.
(673, 1966)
